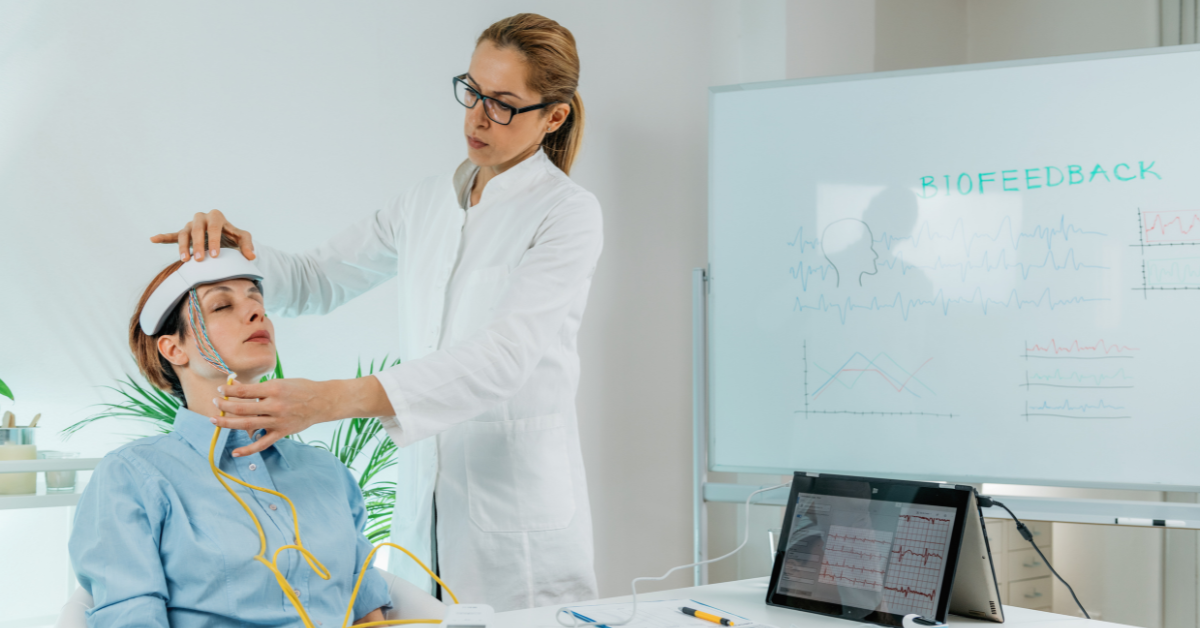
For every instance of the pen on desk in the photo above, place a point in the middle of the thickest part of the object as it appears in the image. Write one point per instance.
(705, 616)
(1160, 523)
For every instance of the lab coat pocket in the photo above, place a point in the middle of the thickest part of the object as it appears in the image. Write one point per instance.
(481, 293)
(519, 475)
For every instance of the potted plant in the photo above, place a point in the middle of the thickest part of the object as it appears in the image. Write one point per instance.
(354, 441)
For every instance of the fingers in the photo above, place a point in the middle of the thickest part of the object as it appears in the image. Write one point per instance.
(164, 238)
(247, 423)
(216, 225)
(264, 441)
(184, 237)
(244, 408)
(199, 227)
(245, 243)
(252, 392)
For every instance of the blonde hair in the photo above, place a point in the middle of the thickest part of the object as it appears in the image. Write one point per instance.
(549, 49)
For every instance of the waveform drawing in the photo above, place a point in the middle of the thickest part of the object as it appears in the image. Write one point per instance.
(804, 245)
(1171, 226)
(855, 557)
(1067, 378)
(1063, 262)
(940, 302)
(804, 273)
(1076, 350)
(1070, 410)
(1005, 235)
(1173, 273)
(915, 564)
(882, 368)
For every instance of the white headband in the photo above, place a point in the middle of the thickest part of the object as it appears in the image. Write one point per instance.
(230, 265)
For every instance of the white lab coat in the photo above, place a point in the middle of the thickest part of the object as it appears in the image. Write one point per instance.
(491, 300)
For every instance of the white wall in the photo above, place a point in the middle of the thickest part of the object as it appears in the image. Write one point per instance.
(120, 119)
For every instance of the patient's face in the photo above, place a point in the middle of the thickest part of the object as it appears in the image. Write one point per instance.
(239, 329)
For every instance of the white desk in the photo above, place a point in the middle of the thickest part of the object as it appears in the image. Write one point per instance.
(745, 597)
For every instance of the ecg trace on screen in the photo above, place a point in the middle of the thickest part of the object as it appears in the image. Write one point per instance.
(855, 557)
(914, 572)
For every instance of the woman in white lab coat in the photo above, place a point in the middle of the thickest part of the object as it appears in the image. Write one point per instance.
(494, 265)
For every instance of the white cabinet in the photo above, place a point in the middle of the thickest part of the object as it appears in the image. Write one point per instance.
(1023, 577)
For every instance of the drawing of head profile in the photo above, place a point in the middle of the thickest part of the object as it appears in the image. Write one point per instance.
(849, 247)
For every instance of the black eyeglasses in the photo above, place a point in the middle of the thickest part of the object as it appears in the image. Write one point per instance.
(497, 111)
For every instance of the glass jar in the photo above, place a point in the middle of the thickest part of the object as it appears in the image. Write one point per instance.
(59, 481)
(17, 443)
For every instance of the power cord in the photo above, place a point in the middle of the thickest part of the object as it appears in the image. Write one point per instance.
(988, 502)
(633, 612)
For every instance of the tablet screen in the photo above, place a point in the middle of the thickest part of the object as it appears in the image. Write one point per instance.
(873, 550)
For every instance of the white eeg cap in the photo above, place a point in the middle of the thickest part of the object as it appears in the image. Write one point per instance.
(229, 265)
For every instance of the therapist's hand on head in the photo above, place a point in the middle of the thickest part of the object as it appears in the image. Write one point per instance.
(283, 407)
(206, 227)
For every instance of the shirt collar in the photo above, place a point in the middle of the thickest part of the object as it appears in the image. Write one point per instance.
(512, 178)
(197, 430)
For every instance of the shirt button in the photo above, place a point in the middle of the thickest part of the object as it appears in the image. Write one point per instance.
(272, 507)
(253, 466)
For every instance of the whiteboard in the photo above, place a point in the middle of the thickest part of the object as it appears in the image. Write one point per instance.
(978, 273)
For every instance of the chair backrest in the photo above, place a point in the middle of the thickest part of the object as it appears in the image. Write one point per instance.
(408, 602)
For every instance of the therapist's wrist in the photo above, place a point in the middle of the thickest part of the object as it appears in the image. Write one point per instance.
(361, 397)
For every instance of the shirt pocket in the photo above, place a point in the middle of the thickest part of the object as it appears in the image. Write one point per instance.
(482, 290)
(519, 475)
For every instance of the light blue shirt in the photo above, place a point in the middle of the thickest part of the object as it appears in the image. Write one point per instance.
(159, 542)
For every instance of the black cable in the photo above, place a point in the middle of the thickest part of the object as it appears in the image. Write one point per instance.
(987, 502)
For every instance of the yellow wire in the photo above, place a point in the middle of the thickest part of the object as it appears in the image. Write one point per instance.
(316, 565)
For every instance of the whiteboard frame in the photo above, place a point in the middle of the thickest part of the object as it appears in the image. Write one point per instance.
(701, 340)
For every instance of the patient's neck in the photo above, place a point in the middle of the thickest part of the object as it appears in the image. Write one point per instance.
(200, 392)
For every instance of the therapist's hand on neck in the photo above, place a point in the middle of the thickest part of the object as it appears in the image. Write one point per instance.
(503, 74)
(289, 406)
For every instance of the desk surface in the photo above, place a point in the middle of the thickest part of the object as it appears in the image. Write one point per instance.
(745, 597)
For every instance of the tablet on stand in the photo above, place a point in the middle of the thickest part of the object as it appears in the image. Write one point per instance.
(875, 550)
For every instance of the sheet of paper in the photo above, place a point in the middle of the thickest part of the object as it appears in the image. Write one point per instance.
(658, 614)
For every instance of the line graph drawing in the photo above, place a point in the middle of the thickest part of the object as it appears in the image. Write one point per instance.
(1067, 406)
(1168, 228)
(914, 570)
(941, 302)
(1173, 272)
(1171, 226)
(882, 367)
(1075, 374)
(1060, 378)
(1075, 350)
(859, 366)
(1059, 412)
(855, 557)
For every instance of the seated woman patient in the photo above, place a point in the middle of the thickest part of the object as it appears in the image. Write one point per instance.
(158, 541)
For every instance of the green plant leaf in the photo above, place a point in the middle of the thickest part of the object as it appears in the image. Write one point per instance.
(5, 391)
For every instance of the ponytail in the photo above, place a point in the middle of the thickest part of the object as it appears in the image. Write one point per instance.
(549, 49)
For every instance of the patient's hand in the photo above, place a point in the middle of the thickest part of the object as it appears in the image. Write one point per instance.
(375, 615)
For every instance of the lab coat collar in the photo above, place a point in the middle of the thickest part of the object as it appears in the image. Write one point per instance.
(196, 430)
(512, 179)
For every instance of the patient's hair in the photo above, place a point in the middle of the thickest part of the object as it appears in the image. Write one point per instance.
(150, 362)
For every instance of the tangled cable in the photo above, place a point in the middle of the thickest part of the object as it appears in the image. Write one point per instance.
(210, 355)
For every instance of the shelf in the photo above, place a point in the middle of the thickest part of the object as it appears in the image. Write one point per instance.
(48, 464)
(51, 500)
